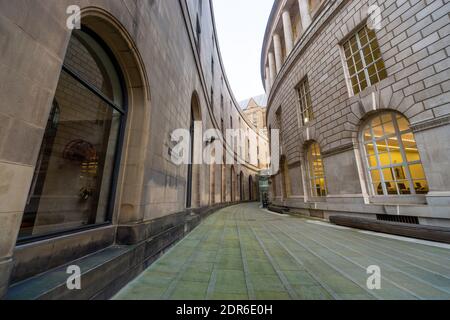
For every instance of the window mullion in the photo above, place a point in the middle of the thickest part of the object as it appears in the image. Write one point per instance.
(363, 60)
(405, 159)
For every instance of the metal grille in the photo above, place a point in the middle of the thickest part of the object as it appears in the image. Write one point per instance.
(399, 219)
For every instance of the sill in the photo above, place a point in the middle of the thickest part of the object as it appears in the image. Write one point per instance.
(399, 200)
(312, 200)
(59, 234)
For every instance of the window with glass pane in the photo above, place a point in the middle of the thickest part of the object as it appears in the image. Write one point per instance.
(392, 157)
(73, 180)
(304, 98)
(317, 179)
(364, 61)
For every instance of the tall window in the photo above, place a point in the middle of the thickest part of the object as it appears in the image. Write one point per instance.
(392, 157)
(74, 177)
(317, 181)
(304, 99)
(364, 61)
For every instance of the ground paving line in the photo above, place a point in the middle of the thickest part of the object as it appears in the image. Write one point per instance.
(275, 266)
(250, 289)
(406, 274)
(408, 254)
(423, 254)
(402, 259)
(311, 273)
(359, 265)
(213, 279)
(173, 285)
(381, 247)
(343, 273)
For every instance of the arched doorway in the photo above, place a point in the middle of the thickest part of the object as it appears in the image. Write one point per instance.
(193, 175)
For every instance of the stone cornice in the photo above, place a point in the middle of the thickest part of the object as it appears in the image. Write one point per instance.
(430, 124)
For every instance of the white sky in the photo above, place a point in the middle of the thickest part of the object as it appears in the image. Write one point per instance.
(241, 25)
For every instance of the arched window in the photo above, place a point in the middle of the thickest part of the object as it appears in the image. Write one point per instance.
(77, 182)
(392, 157)
(317, 180)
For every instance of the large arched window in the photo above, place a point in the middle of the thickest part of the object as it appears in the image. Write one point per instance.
(317, 180)
(74, 185)
(392, 157)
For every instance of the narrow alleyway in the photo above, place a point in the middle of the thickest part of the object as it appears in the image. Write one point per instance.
(243, 252)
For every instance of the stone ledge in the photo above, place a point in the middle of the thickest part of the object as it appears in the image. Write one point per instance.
(34, 258)
(437, 234)
(105, 272)
(135, 233)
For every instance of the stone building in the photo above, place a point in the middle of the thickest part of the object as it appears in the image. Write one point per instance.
(87, 153)
(360, 91)
(255, 110)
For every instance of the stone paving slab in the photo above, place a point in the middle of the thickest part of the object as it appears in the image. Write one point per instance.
(243, 252)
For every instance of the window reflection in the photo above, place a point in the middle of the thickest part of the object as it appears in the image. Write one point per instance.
(392, 157)
(73, 178)
(316, 171)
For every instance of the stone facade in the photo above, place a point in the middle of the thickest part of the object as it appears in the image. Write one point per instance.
(169, 56)
(414, 42)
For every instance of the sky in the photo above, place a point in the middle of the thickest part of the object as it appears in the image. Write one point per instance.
(241, 25)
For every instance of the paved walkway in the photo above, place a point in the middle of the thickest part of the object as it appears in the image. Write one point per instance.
(243, 252)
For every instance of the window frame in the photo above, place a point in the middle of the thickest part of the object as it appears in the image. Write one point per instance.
(360, 53)
(312, 189)
(123, 110)
(405, 164)
(303, 86)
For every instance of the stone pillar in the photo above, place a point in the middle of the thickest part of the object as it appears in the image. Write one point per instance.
(268, 84)
(288, 34)
(305, 13)
(272, 70)
(278, 52)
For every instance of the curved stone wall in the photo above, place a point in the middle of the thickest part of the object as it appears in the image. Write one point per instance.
(414, 43)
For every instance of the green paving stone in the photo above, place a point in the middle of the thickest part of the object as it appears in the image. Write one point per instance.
(211, 258)
(267, 283)
(188, 290)
(230, 262)
(141, 292)
(157, 279)
(272, 295)
(230, 281)
(228, 296)
(194, 275)
(300, 278)
(260, 267)
(306, 292)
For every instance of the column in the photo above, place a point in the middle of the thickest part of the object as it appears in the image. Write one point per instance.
(305, 13)
(288, 34)
(272, 70)
(268, 80)
(278, 52)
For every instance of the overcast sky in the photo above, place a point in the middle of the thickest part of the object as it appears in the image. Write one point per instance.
(241, 25)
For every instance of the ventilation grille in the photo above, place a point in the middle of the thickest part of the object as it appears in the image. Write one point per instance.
(399, 219)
